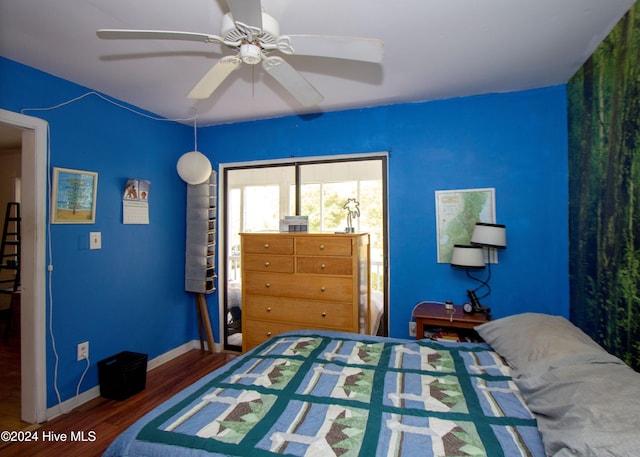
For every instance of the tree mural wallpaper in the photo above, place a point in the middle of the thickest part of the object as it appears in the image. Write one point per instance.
(604, 192)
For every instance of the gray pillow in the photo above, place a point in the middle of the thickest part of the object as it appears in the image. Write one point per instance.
(586, 401)
(586, 409)
(533, 342)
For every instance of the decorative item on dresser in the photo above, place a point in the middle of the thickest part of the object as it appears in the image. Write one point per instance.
(293, 281)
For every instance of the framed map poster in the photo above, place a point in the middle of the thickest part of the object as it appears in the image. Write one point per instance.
(457, 212)
(73, 199)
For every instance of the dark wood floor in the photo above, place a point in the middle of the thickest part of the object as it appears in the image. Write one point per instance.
(108, 418)
(10, 375)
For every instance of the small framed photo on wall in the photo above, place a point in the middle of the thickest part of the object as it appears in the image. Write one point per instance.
(73, 196)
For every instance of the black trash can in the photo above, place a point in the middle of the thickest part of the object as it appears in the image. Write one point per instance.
(122, 375)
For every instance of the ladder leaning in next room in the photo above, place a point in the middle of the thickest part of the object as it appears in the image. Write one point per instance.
(10, 264)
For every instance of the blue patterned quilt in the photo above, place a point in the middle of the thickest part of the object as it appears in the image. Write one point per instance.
(324, 394)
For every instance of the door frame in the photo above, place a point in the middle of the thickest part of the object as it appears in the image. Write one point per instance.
(33, 305)
(222, 248)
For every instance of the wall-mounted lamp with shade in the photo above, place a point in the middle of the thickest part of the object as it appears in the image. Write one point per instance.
(467, 256)
(471, 257)
(489, 235)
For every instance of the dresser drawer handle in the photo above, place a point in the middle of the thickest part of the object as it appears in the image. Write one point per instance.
(269, 309)
(266, 245)
(323, 266)
(322, 247)
(268, 333)
(323, 288)
(266, 264)
(267, 285)
(324, 314)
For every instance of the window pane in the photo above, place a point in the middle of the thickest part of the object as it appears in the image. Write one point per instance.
(261, 208)
(326, 187)
(370, 221)
(264, 198)
(310, 205)
(233, 237)
(256, 200)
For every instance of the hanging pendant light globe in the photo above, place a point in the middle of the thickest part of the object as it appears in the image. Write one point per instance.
(194, 168)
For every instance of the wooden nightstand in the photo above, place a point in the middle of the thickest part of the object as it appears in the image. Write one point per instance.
(435, 315)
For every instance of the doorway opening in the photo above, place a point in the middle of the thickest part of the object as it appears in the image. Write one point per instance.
(10, 376)
(33, 196)
(255, 197)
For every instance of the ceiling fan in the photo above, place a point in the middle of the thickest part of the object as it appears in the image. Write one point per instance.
(254, 34)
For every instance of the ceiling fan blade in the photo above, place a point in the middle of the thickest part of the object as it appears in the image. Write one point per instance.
(214, 77)
(291, 80)
(123, 34)
(337, 47)
(247, 12)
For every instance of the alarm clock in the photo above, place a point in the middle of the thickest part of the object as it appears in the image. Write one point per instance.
(473, 305)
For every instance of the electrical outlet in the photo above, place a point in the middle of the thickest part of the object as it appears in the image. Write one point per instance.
(412, 329)
(83, 351)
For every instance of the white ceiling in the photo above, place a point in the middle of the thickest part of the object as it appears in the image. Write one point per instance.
(434, 49)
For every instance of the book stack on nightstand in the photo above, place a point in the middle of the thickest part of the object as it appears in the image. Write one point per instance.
(436, 321)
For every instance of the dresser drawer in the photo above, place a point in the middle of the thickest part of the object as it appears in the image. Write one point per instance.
(263, 244)
(323, 245)
(308, 312)
(325, 265)
(257, 332)
(317, 287)
(275, 263)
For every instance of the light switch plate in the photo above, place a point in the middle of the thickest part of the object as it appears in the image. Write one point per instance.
(95, 240)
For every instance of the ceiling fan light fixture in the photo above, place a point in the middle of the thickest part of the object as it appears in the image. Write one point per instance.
(250, 53)
(253, 34)
(268, 34)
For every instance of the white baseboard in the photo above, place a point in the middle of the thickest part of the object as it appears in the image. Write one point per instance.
(172, 354)
(69, 405)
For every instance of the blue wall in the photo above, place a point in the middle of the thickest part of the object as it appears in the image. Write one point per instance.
(129, 295)
(516, 143)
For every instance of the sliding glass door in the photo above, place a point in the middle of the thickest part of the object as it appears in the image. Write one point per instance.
(257, 197)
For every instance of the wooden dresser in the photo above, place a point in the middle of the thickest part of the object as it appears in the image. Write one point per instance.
(293, 281)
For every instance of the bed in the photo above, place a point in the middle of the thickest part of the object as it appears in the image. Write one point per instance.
(318, 393)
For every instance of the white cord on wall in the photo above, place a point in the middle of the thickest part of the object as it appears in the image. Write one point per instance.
(108, 100)
(49, 242)
(50, 274)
